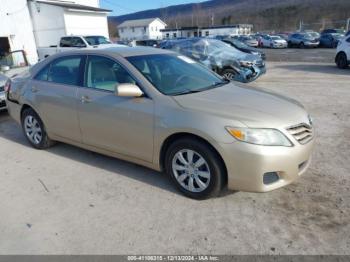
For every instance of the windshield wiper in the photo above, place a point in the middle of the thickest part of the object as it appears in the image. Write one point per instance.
(214, 85)
(185, 92)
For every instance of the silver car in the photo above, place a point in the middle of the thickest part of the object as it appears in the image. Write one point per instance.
(163, 110)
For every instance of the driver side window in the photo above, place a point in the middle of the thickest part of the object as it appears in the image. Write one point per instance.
(104, 74)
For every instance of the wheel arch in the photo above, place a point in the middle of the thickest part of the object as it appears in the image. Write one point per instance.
(181, 135)
(24, 107)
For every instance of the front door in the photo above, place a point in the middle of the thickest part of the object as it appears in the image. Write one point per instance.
(120, 124)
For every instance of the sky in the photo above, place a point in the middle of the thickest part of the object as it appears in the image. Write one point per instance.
(132, 6)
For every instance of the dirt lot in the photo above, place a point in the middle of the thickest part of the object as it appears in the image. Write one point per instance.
(317, 55)
(70, 201)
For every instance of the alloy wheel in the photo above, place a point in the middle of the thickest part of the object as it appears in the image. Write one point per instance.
(229, 76)
(33, 130)
(191, 170)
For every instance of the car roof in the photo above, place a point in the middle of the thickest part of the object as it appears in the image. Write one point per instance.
(121, 51)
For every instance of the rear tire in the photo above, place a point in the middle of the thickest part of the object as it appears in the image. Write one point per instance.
(195, 168)
(34, 130)
(341, 61)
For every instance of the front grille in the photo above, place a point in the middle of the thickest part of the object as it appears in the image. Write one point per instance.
(2, 104)
(2, 88)
(303, 133)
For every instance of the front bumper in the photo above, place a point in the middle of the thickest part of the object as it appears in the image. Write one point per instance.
(280, 45)
(247, 164)
(249, 74)
(311, 44)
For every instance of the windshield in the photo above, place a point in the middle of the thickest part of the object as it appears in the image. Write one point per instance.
(314, 34)
(276, 37)
(337, 36)
(238, 44)
(307, 36)
(175, 74)
(97, 40)
(216, 45)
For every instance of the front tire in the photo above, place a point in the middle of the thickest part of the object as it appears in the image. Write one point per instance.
(34, 130)
(341, 61)
(195, 168)
(229, 74)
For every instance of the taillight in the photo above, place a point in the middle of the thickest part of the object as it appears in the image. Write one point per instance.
(7, 86)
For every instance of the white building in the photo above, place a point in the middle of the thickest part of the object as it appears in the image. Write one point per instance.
(29, 24)
(141, 29)
(212, 31)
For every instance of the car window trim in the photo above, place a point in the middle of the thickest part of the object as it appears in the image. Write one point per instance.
(84, 85)
(81, 68)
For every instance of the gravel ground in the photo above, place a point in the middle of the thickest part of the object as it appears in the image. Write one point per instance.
(70, 201)
(315, 55)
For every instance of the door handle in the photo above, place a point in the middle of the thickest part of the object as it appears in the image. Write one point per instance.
(85, 99)
(34, 89)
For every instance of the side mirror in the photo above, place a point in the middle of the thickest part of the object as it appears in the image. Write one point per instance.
(5, 68)
(128, 90)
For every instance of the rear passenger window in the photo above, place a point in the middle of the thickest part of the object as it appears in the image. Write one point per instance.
(65, 71)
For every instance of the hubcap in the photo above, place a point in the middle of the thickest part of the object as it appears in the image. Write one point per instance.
(191, 170)
(33, 130)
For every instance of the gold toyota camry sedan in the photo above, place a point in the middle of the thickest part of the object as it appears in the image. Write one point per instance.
(163, 110)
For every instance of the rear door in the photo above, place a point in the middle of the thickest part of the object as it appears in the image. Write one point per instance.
(54, 93)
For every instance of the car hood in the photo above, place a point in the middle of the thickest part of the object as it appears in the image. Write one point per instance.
(282, 41)
(252, 107)
(233, 54)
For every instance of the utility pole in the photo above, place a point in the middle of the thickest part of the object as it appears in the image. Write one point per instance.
(348, 24)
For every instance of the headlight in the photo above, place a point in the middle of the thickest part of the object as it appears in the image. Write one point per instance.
(246, 63)
(259, 136)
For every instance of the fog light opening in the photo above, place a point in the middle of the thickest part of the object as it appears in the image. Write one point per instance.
(270, 178)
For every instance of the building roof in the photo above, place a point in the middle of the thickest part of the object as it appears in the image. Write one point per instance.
(71, 5)
(139, 22)
(207, 27)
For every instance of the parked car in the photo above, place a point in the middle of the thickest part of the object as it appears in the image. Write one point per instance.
(273, 41)
(164, 111)
(68, 43)
(302, 40)
(313, 34)
(333, 31)
(149, 42)
(283, 35)
(244, 48)
(221, 58)
(248, 40)
(342, 58)
(330, 40)
(11, 64)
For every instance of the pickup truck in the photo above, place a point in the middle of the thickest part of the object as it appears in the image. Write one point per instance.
(13, 64)
(67, 43)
